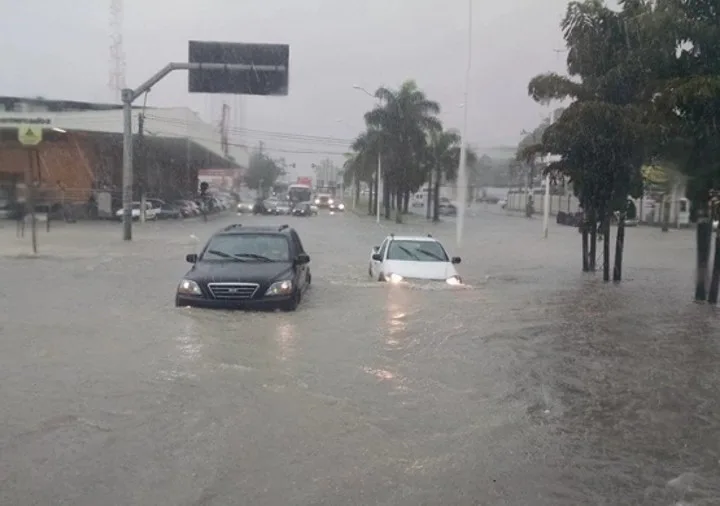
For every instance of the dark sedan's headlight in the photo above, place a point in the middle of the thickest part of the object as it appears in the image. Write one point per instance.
(189, 287)
(283, 287)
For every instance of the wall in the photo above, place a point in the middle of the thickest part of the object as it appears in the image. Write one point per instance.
(64, 163)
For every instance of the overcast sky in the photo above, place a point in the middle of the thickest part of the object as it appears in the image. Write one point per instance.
(55, 49)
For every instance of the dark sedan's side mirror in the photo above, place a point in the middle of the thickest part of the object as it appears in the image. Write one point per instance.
(456, 260)
(377, 257)
(191, 258)
(302, 259)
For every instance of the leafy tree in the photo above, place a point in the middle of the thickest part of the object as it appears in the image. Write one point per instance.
(602, 136)
(262, 172)
(688, 101)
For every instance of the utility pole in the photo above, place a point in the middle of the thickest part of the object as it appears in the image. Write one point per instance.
(143, 163)
(30, 199)
(128, 97)
(224, 130)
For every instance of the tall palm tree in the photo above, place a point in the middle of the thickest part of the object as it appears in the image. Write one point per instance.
(405, 117)
(366, 148)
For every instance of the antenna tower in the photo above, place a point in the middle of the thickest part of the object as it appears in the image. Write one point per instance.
(117, 56)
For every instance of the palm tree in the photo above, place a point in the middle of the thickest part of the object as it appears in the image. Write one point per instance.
(405, 117)
(366, 148)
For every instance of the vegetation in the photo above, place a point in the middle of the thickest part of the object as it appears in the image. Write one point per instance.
(263, 171)
(644, 82)
(405, 135)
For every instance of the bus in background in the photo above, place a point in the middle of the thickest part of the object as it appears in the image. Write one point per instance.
(299, 193)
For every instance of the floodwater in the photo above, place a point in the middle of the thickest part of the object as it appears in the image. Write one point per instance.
(536, 385)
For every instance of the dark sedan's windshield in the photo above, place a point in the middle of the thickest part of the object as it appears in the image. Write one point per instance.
(248, 247)
(417, 251)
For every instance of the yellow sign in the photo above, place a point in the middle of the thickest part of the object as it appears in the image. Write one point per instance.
(654, 174)
(30, 135)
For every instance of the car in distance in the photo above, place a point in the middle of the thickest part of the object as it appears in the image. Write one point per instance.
(304, 209)
(244, 207)
(324, 200)
(337, 207)
(247, 267)
(282, 208)
(409, 258)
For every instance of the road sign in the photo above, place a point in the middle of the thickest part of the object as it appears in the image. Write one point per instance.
(244, 82)
(30, 135)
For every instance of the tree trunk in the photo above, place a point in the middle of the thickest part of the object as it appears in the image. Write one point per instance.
(593, 241)
(584, 225)
(377, 195)
(606, 247)
(666, 213)
(398, 209)
(357, 191)
(715, 278)
(406, 202)
(428, 204)
(619, 247)
(386, 197)
(704, 236)
(436, 197)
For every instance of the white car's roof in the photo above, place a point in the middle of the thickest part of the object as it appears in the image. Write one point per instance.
(418, 238)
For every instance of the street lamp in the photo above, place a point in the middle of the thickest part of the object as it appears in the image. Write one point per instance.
(379, 160)
(462, 170)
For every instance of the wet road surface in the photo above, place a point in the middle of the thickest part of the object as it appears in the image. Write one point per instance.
(535, 385)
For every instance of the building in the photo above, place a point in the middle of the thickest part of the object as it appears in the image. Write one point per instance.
(82, 150)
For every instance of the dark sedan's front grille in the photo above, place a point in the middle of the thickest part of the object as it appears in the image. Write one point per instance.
(233, 291)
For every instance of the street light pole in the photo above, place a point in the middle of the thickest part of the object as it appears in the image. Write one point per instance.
(379, 160)
(462, 170)
(129, 95)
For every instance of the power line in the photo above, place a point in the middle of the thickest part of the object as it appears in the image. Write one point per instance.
(262, 133)
(265, 146)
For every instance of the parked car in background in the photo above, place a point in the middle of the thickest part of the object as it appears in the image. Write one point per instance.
(150, 212)
(187, 208)
(447, 209)
(169, 212)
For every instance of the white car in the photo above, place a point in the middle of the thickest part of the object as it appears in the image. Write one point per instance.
(150, 212)
(408, 258)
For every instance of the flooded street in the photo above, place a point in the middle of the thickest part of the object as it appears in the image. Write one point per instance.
(534, 385)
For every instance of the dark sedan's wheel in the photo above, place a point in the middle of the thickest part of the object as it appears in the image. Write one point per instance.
(293, 303)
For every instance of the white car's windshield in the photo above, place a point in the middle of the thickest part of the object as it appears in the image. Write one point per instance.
(248, 247)
(417, 251)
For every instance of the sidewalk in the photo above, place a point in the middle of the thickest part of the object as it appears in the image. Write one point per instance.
(90, 239)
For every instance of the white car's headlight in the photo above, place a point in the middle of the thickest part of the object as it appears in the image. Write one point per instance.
(341, 206)
(189, 287)
(280, 288)
(454, 280)
(395, 278)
